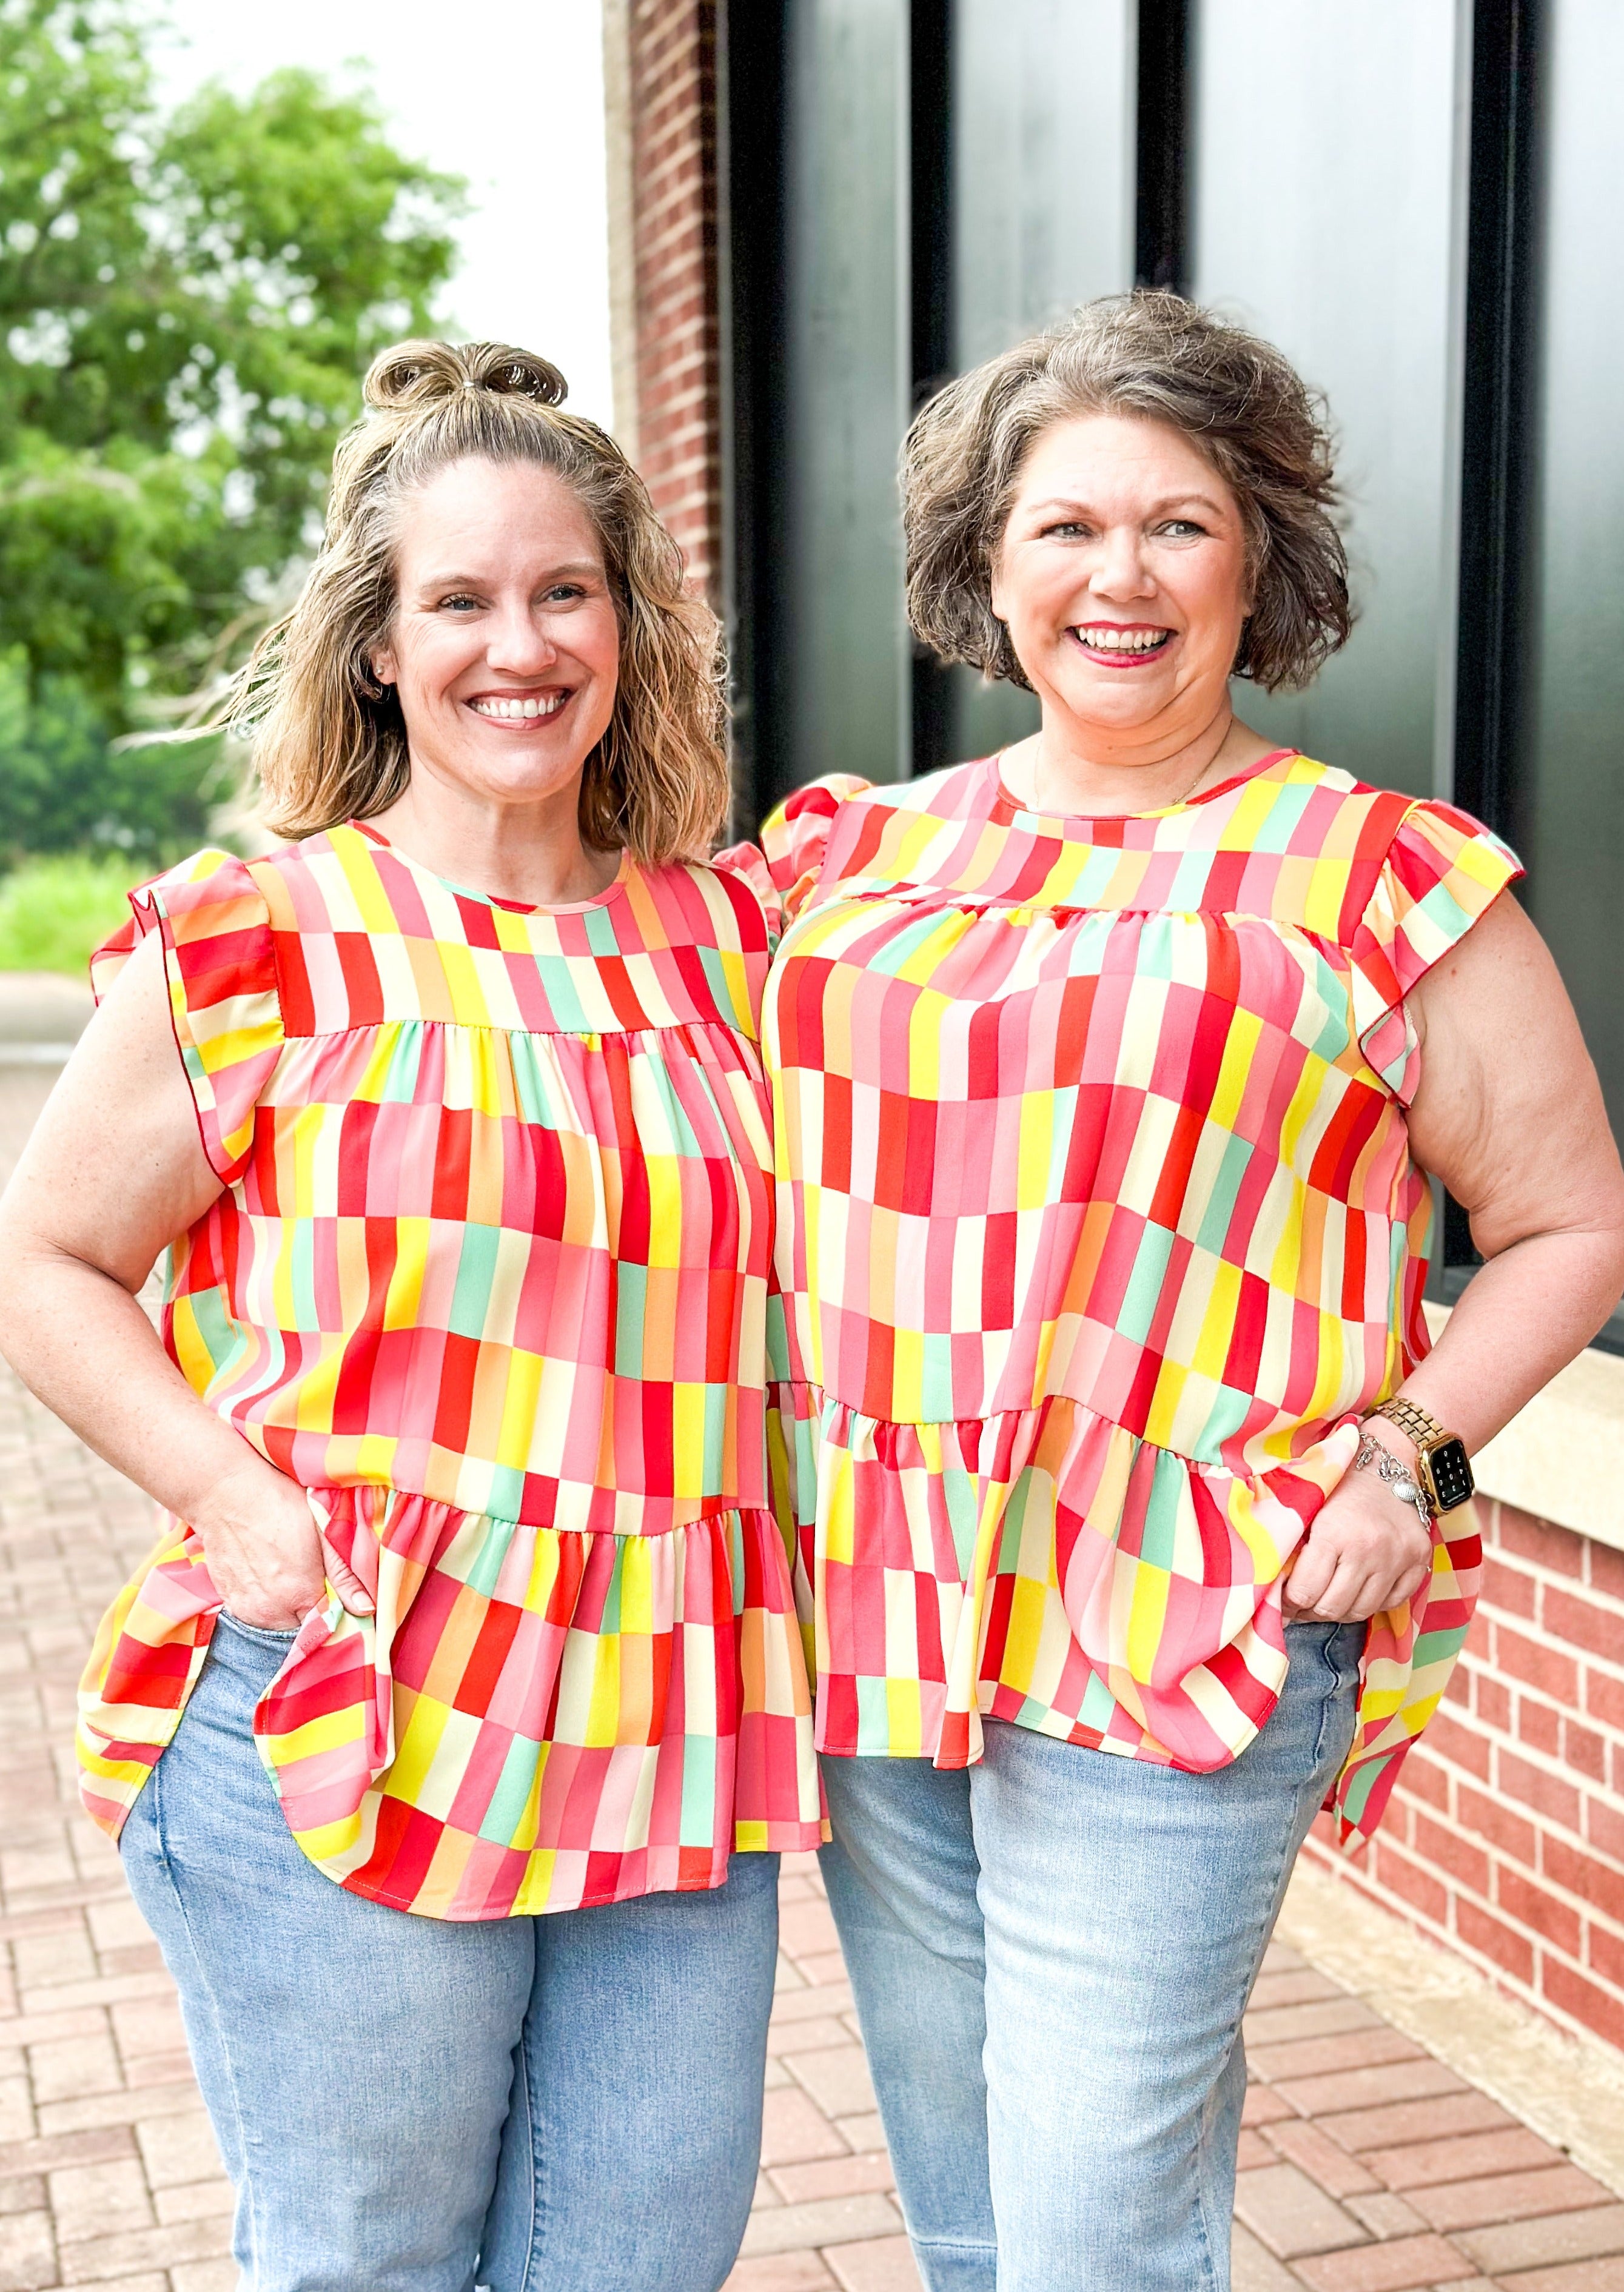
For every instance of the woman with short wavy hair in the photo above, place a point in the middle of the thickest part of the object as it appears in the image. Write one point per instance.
(1129, 1499)
(469, 1603)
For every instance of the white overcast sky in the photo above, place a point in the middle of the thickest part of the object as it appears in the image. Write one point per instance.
(506, 92)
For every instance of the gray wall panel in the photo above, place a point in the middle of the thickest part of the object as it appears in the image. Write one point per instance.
(1043, 208)
(847, 388)
(1571, 797)
(1326, 208)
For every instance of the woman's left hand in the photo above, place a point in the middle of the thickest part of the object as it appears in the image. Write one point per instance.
(1365, 1551)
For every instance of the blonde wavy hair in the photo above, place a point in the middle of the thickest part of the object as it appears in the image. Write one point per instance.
(330, 741)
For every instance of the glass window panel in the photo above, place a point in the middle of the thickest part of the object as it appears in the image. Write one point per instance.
(1570, 824)
(847, 388)
(1043, 211)
(1325, 169)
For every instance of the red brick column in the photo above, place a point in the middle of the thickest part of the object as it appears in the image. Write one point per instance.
(673, 128)
(1506, 1836)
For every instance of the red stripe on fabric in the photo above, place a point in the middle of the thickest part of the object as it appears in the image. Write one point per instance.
(363, 989)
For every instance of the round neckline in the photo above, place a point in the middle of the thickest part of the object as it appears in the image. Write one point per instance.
(611, 890)
(1007, 797)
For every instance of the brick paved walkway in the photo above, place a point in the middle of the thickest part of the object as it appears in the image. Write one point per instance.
(1368, 2165)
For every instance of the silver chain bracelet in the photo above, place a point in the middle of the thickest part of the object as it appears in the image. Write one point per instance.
(1398, 1476)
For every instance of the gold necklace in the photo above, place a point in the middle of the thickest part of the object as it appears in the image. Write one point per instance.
(1183, 798)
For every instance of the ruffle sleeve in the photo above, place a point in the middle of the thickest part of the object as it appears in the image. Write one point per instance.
(783, 869)
(220, 959)
(1443, 871)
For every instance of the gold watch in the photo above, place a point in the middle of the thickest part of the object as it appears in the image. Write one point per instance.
(1442, 1463)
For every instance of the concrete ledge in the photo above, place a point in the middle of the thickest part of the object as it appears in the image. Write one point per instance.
(42, 1016)
(1563, 1456)
(1568, 2088)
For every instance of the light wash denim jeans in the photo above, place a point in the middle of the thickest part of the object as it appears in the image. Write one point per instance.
(573, 2102)
(1050, 1953)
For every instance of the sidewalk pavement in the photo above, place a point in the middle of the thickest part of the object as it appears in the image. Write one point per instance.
(1368, 2166)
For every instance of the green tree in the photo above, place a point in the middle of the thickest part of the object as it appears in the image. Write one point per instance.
(187, 302)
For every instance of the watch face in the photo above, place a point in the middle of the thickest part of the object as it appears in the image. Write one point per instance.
(1450, 1473)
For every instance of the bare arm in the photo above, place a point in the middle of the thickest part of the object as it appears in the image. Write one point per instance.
(114, 1171)
(1510, 1115)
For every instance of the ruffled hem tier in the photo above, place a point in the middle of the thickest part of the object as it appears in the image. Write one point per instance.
(536, 1719)
(1049, 1567)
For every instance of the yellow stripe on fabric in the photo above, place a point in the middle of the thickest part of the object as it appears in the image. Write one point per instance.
(462, 982)
(1240, 1051)
(327, 1732)
(602, 1729)
(535, 1889)
(1036, 1151)
(356, 858)
(520, 1399)
(1147, 1616)
(403, 1299)
(904, 1732)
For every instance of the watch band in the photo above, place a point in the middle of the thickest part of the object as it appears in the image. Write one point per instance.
(1414, 1423)
(1441, 1464)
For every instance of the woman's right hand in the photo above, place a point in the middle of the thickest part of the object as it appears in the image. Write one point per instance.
(270, 1562)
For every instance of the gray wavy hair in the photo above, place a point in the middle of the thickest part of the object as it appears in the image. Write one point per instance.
(1238, 400)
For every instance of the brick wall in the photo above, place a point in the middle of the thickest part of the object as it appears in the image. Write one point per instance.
(670, 92)
(1506, 1836)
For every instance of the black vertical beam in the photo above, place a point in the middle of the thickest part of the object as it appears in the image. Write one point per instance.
(931, 293)
(752, 48)
(1161, 231)
(1497, 441)
(1498, 402)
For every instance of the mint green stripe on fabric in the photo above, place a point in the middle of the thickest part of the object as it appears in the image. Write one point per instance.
(696, 1823)
(506, 1496)
(1159, 1539)
(735, 1546)
(896, 954)
(1217, 1219)
(733, 1012)
(935, 1377)
(1144, 1285)
(1361, 1782)
(558, 985)
(476, 1273)
(537, 1087)
(225, 1341)
(499, 1824)
(601, 938)
(655, 1077)
(1158, 945)
(1224, 1419)
(1282, 820)
(715, 1437)
(302, 1274)
(1063, 1116)
(873, 1716)
(399, 1087)
(491, 1551)
(958, 1495)
(609, 1619)
(631, 1317)
(1099, 1707)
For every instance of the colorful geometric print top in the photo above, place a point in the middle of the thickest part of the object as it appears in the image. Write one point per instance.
(1097, 1229)
(488, 1276)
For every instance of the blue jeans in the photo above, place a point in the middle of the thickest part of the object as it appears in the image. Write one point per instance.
(569, 2104)
(1050, 1953)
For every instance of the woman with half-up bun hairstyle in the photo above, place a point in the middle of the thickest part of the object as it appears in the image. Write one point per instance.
(451, 1731)
(1130, 1503)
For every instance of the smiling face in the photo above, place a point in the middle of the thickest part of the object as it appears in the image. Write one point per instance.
(1122, 580)
(505, 648)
